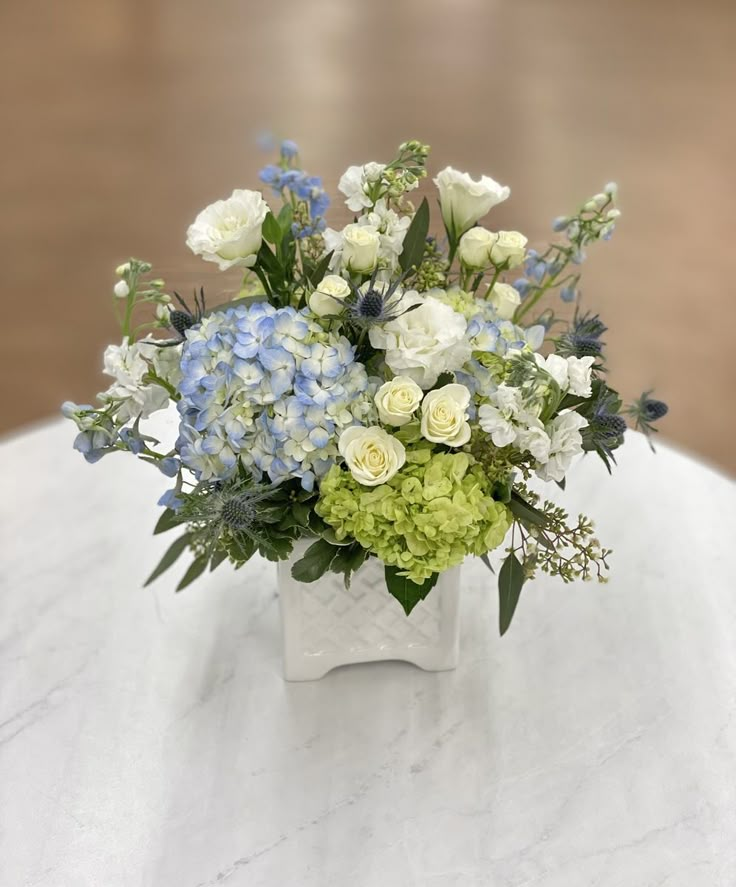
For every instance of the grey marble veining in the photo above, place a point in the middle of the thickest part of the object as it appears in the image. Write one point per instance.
(147, 739)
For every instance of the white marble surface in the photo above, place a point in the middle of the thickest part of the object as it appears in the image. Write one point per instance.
(148, 738)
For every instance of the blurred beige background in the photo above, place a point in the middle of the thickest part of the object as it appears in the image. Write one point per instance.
(123, 118)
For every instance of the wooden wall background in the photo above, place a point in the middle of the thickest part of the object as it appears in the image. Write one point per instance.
(122, 118)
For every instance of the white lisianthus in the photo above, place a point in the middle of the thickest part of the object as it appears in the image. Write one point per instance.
(579, 370)
(445, 415)
(121, 289)
(474, 249)
(329, 296)
(228, 232)
(355, 183)
(128, 365)
(372, 455)
(424, 342)
(505, 299)
(397, 400)
(566, 442)
(509, 249)
(464, 201)
(360, 244)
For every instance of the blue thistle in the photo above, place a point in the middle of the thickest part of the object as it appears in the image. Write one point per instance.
(375, 303)
(646, 410)
(583, 338)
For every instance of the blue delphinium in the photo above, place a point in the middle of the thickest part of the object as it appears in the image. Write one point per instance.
(312, 199)
(268, 388)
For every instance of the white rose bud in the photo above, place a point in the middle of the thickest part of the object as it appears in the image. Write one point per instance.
(464, 201)
(360, 248)
(509, 248)
(397, 400)
(444, 415)
(505, 299)
(228, 232)
(121, 289)
(474, 249)
(372, 455)
(329, 296)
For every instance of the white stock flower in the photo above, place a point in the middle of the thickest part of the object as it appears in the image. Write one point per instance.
(566, 442)
(397, 400)
(329, 296)
(392, 229)
(509, 249)
(388, 230)
(463, 200)
(556, 366)
(499, 417)
(579, 370)
(228, 232)
(372, 455)
(505, 299)
(355, 183)
(121, 289)
(128, 364)
(424, 342)
(445, 415)
(474, 249)
(533, 438)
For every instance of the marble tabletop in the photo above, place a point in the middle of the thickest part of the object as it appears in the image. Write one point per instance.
(147, 739)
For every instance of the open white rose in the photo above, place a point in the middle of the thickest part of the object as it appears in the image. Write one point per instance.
(474, 249)
(397, 400)
(329, 296)
(445, 415)
(360, 248)
(505, 299)
(372, 455)
(509, 249)
(463, 200)
(228, 232)
(424, 342)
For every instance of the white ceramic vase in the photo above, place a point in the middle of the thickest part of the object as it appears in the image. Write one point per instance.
(326, 625)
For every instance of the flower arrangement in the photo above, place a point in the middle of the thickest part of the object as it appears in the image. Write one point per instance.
(380, 390)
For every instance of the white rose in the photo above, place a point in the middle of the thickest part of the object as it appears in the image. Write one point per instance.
(398, 400)
(121, 289)
(354, 184)
(444, 415)
(372, 455)
(579, 373)
(228, 232)
(505, 299)
(509, 249)
(360, 248)
(424, 342)
(329, 296)
(474, 249)
(463, 200)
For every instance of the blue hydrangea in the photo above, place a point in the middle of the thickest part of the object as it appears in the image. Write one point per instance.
(270, 389)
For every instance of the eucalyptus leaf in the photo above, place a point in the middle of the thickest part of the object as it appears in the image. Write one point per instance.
(526, 512)
(196, 568)
(415, 241)
(406, 592)
(510, 581)
(171, 556)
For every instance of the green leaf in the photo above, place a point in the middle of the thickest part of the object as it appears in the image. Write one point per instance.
(510, 580)
(286, 217)
(320, 269)
(217, 558)
(196, 568)
(486, 560)
(561, 483)
(271, 229)
(315, 563)
(406, 592)
(526, 512)
(415, 240)
(267, 260)
(167, 521)
(171, 556)
(329, 535)
(349, 559)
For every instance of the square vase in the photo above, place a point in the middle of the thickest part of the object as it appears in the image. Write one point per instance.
(326, 625)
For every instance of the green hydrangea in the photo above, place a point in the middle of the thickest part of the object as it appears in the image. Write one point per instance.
(430, 516)
(459, 300)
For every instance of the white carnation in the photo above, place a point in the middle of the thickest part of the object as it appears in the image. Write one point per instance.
(424, 342)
